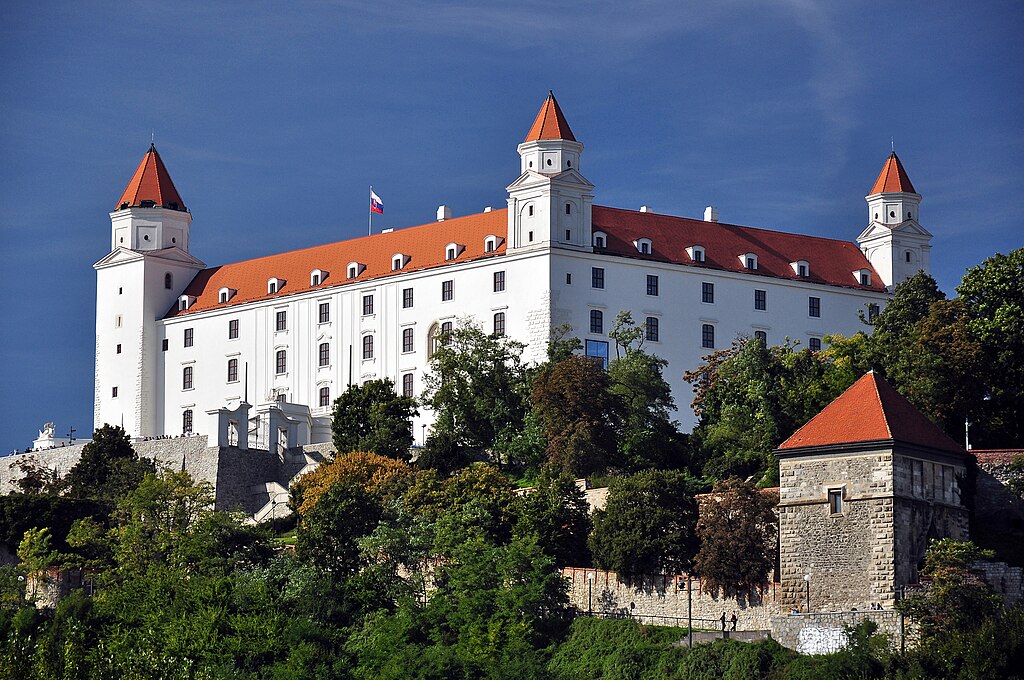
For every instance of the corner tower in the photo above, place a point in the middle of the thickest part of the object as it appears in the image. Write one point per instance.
(894, 241)
(550, 203)
(136, 283)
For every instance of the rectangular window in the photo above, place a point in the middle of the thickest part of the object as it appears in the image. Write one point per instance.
(186, 378)
(119, 348)
(163, 344)
(367, 305)
(814, 306)
(707, 292)
(281, 320)
(407, 340)
(325, 396)
(282, 362)
(499, 281)
(597, 277)
(499, 323)
(325, 312)
(651, 330)
(598, 349)
(447, 290)
(760, 300)
(814, 344)
(367, 346)
(186, 421)
(596, 321)
(872, 311)
(707, 336)
(568, 279)
(325, 354)
(407, 384)
(762, 336)
(232, 370)
(835, 501)
(406, 298)
(189, 336)
(233, 329)
(113, 392)
(652, 284)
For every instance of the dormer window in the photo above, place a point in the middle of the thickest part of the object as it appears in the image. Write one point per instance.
(317, 276)
(749, 261)
(186, 301)
(643, 245)
(491, 243)
(696, 253)
(398, 261)
(225, 294)
(274, 285)
(600, 239)
(355, 269)
(452, 251)
(801, 268)
(863, 276)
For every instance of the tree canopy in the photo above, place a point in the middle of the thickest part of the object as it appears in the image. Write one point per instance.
(374, 417)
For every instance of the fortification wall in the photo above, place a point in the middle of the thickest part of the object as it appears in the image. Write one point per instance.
(664, 600)
(825, 632)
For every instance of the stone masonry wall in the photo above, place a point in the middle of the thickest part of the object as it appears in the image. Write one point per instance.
(662, 600)
(825, 633)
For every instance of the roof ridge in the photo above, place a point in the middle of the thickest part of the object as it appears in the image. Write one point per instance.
(881, 405)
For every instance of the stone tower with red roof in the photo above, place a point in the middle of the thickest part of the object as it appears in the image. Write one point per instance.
(865, 485)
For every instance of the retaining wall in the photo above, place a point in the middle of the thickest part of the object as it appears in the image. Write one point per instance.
(825, 632)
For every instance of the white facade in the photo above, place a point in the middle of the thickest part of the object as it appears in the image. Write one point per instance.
(173, 370)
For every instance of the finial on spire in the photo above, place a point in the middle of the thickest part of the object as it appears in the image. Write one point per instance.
(892, 144)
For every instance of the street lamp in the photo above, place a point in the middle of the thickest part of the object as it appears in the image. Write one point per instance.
(423, 434)
(807, 580)
(590, 592)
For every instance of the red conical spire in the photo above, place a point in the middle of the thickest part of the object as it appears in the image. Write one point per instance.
(151, 186)
(893, 178)
(550, 122)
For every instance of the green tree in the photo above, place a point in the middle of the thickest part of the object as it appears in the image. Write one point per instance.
(108, 468)
(477, 387)
(737, 531)
(374, 417)
(556, 513)
(329, 533)
(993, 294)
(648, 525)
(580, 415)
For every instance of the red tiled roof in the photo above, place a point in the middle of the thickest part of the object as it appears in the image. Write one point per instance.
(997, 456)
(870, 410)
(893, 178)
(550, 122)
(151, 182)
(830, 261)
(424, 247)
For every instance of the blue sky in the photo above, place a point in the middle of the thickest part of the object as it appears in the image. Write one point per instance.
(274, 117)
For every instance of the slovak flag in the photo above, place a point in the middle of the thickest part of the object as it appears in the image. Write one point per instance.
(376, 205)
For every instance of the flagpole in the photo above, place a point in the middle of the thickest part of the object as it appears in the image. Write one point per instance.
(369, 228)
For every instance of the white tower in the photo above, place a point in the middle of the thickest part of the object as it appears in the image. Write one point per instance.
(894, 241)
(550, 203)
(136, 284)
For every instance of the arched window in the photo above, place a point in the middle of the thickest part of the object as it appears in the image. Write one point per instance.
(596, 321)
(168, 280)
(499, 323)
(186, 421)
(232, 370)
(186, 378)
(281, 362)
(325, 396)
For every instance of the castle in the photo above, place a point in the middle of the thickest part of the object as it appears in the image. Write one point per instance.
(253, 353)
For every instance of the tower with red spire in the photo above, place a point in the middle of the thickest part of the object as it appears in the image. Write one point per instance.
(549, 204)
(894, 241)
(147, 268)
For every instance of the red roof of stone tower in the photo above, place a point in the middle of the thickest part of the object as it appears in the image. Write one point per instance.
(870, 410)
(550, 122)
(151, 186)
(893, 178)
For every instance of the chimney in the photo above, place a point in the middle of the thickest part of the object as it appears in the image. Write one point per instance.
(711, 214)
(646, 208)
(444, 212)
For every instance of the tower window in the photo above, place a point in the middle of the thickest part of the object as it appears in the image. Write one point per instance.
(814, 306)
(872, 311)
(113, 393)
(760, 300)
(908, 216)
(652, 284)
(597, 277)
(325, 396)
(406, 298)
(529, 235)
(233, 329)
(499, 323)
(499, 281)
(120, 291)
(281, 362)
(814, 344)
(186, 378)
(189, 337)
(529, 211)
(651, 329)
(762, 336)
(892, 213)
(446, 332)
(163, 344)
(324, 311)
(707, 333)
(835, 501)
(281, 320)
(549, 162)
(118, 348)
(186, 421)
(232, 370)
(407, 384)
(367, 305)
(568, 208)
(707, 292)
(568, 234)
(568, 278)
(907, 256)
(596, 321)
(407, 340)
(367, 347)
(447, 290)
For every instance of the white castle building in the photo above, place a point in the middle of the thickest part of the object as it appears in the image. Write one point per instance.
(255, 352)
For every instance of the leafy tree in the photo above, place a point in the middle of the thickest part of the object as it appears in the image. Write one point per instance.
(737, 531)
(580, 415)
(648, 525)
(556, 513)
(477, 387)
(329, 533)
(36, 479)
(108, 468)
(385, 479)
(374, 417)
(993, 294)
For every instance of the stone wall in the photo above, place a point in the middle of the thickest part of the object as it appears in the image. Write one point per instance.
(663, 600)
(1004, 579)
(825, 633)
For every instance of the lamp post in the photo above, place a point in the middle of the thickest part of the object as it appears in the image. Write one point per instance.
(590, 592)
(807, 581)
(423, 434)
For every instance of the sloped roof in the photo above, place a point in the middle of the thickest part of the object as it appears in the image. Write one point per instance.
(832, 262)
(151, 183)
(550, 122)
(893, 178)
(870, 410)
